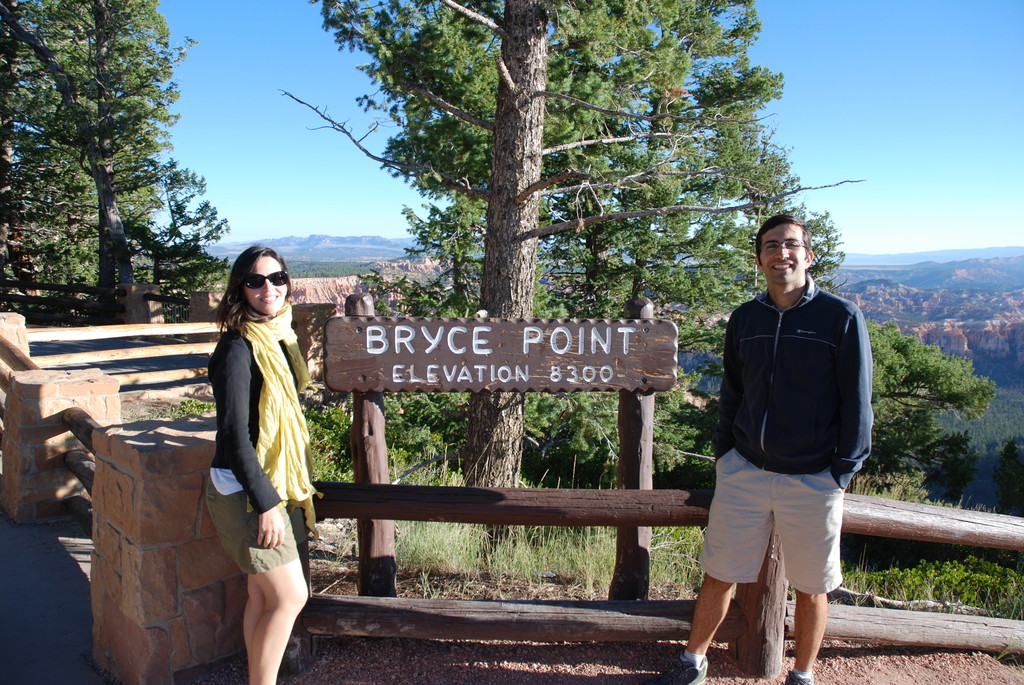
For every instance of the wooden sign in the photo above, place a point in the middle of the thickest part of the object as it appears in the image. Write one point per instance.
(474, 355)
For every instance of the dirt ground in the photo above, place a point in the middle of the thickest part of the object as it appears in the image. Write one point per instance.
(425, 662)
(374, 661)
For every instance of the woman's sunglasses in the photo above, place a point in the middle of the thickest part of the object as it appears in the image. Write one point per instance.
(256, 281)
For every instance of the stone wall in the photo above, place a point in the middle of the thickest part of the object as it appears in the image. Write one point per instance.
(308, 321)
(167, 601)
(35, 480)
(137, 309)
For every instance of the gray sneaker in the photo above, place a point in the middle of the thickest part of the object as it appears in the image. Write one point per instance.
(682, 673)
(794, 679)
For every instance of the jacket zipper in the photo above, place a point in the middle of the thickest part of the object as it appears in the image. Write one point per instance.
(771, 388)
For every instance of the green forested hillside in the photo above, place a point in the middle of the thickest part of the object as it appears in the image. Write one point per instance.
(305, 268)
(1003, 421)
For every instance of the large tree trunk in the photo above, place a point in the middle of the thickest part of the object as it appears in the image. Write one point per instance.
(114, 256)
(8, 57)
(114, 251)
(496, 422)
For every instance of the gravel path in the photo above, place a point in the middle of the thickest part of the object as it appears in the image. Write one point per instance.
(375, 661)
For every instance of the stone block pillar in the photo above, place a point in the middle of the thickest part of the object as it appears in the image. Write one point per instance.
(167, 601)
(12, 328)
(35, 438)
(201, 307)
(308, 321)
(137, 309)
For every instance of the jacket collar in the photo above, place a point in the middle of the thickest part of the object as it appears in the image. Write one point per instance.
(809, 294)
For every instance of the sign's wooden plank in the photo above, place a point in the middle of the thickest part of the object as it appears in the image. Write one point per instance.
(368, 354)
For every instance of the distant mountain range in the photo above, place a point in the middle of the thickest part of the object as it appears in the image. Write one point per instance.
(329, 248)
(367, 247)
(1001, 273)
(941, 256)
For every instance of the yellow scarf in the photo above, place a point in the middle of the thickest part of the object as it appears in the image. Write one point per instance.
(283, 445)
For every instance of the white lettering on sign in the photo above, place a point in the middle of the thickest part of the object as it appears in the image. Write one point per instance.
(584, 340)
(462, 373)
(458, 339)
(376, 340)
(479, 341)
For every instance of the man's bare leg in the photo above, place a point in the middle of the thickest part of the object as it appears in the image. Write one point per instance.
(712, 605)
(811, 618)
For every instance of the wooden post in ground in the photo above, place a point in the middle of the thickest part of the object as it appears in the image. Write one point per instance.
(759, 650)
(632, 578)
(377, 569)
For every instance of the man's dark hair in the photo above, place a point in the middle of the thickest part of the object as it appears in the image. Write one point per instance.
(780, 220)
(233, 311)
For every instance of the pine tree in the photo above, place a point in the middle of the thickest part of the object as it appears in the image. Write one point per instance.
(111, 63)
(608, 147)
(1009, 480)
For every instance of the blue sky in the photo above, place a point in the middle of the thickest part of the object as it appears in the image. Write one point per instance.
(923, 100)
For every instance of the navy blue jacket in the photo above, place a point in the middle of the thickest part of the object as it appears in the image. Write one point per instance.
(796, 394)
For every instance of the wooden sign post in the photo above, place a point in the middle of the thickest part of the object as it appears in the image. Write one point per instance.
(375, 354)
(368, 355)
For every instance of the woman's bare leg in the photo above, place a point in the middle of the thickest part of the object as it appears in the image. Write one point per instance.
(277, 597)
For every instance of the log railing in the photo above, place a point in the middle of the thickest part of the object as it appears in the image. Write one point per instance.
(639, 621)
(69, 310)
(81, 463)
(176, 373)
(760, 616)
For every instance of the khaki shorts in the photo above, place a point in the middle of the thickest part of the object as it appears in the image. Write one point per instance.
(807, 511)
(238, 528)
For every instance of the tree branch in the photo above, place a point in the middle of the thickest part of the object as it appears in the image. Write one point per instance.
(546, 182)
(505, 74)
(631, 179)
(446, 106)
(451, 182)
(622, 113)
(45, 55)
(477, 17)
(582, 222)
(609, 141)
(503, 71)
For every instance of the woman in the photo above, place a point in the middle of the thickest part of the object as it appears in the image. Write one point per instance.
(260, 494)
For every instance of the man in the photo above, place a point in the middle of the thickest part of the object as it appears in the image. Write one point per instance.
(794, 426)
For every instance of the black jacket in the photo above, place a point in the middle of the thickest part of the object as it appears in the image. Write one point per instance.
(237, 381)
(796, 394)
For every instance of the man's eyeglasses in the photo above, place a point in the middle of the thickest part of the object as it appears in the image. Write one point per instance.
(256, 281)
(771, 247)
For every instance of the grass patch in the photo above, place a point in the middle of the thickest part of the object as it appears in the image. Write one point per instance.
(973, 582)
(579, 557)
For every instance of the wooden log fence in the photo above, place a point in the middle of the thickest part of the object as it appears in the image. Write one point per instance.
(863, 515)
(81, 463)
(159, 351)
(376, 616)
(760, 616)
(74, 310)
(539, 621)
(118, 331)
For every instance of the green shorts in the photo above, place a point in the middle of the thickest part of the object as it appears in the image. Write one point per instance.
(238, 528)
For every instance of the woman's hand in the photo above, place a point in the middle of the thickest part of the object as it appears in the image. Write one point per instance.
(271, 528)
